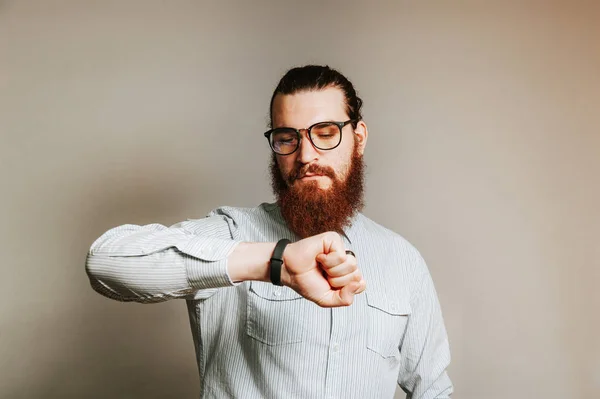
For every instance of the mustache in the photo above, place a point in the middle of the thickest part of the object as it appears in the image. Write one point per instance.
(300, 171)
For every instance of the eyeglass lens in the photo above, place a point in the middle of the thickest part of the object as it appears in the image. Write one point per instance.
(324, 136)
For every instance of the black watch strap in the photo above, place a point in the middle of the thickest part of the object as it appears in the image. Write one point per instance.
(277, 261)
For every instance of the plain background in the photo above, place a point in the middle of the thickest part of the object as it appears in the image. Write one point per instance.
(484, 152)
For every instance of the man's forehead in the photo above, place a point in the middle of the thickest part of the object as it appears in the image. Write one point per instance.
(304, 108)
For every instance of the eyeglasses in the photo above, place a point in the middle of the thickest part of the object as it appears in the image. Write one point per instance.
(322, 135)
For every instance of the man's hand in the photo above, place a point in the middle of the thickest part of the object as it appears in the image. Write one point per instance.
(319, 269)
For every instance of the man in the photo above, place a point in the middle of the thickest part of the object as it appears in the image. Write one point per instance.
(315, 335)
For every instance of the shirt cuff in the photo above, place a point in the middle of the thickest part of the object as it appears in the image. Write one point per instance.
(206, 266)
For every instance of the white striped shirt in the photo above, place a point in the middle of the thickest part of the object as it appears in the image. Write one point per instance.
(257, 340)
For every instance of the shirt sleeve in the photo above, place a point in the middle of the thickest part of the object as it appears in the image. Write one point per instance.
(425, 352)
(154, 263)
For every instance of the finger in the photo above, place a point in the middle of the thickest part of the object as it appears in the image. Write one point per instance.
(331, 259)
(362, 287)
(341, 297)
(332, 242)
(346, 294)
(339, 282)
(347, 267)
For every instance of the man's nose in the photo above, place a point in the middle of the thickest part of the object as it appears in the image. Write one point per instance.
(307, 152)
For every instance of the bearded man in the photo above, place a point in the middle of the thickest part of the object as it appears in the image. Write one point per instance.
(302, 298)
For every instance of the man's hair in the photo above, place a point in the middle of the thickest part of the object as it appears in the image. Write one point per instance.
(317, 77)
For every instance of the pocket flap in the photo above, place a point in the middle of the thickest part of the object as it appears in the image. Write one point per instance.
(273, 292)
(394, 306)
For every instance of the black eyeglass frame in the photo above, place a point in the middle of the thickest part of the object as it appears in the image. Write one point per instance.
(340, 125)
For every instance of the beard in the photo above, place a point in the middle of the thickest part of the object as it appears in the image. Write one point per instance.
(309, 210)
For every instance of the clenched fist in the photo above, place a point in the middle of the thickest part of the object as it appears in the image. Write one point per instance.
(319, 269)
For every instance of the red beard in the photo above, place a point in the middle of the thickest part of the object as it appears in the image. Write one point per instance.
(309, 210)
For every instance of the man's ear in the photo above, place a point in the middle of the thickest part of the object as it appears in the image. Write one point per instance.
(362, 133)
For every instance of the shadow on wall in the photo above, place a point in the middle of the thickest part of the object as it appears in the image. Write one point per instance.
(87, 346)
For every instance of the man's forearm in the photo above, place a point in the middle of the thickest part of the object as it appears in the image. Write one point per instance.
(250, 261)
(154, 263)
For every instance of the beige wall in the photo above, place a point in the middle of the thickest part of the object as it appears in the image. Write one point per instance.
(484, 152)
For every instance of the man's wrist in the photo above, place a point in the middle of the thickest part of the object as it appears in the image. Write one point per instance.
(276, 262)
(250, 261)
(285, 275)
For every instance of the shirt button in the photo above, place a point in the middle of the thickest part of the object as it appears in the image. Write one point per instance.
(277, 292)
(335, 347)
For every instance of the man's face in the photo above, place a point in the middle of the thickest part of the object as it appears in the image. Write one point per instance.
(318, 190)
(309, 165)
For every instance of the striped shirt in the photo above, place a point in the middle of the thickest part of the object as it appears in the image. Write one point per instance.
(257, 340)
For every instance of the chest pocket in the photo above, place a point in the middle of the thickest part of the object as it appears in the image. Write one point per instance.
(275, 315)
(387, 323)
